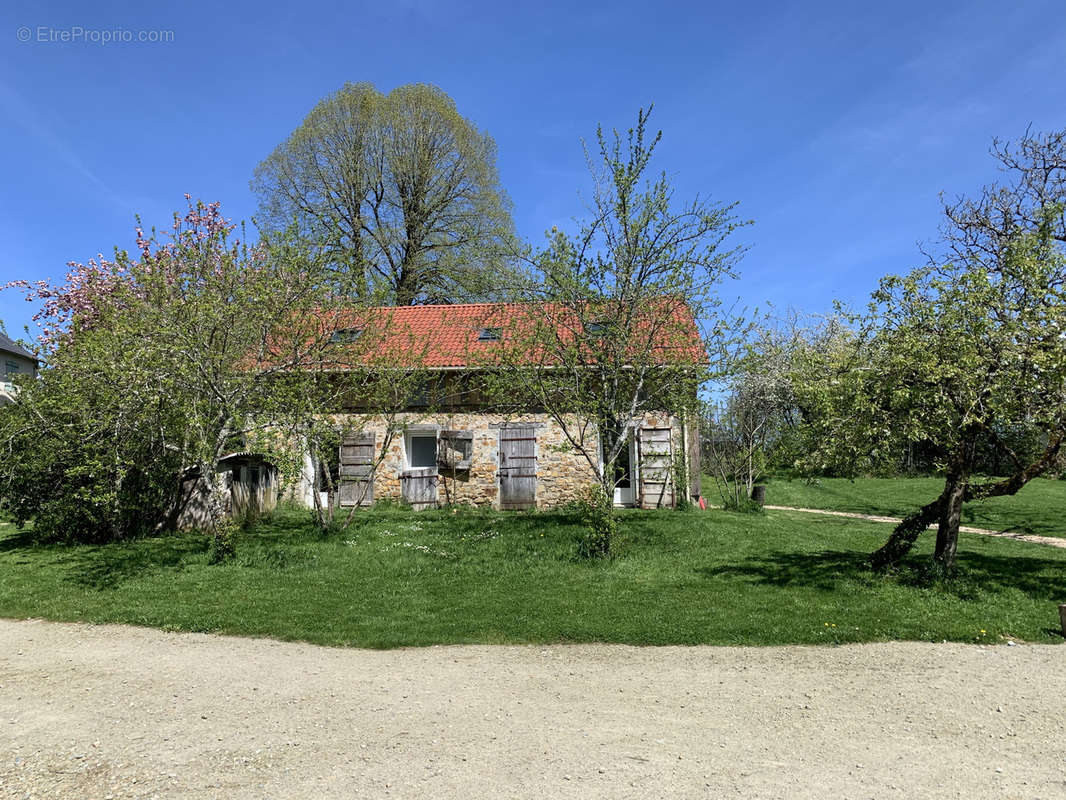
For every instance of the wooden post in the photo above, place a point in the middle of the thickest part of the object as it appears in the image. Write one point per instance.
(1062, 618)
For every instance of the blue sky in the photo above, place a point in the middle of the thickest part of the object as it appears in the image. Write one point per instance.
(834, 124)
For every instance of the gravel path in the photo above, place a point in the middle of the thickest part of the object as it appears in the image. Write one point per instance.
(1021, 537)
(116, 712)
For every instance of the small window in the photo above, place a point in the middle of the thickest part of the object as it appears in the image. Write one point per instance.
(419, 396)
(11, 366)
(345, 335)
(422, 450)
(489, 335)
(597, 328)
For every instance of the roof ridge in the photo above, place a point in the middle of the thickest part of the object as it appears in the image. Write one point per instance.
(452, 305)
(9, 345)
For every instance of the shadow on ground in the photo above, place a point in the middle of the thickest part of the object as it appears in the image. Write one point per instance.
(108, 566)
(1038, 578)
(16, 540)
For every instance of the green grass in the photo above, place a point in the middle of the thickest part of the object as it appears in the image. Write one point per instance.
(1037, 508)
(399, 579)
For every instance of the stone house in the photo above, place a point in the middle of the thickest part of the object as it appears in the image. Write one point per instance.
(449, 445)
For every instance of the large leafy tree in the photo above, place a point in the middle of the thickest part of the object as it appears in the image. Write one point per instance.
(959, 353)
(158, 364)
(399, 193)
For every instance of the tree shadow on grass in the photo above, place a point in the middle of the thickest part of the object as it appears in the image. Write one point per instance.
(16, 540)
(105, 566)
(826, 569)
(1042, 579)
(108, 566)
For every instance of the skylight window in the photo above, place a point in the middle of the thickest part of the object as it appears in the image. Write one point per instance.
(489, 335)
(345, 335)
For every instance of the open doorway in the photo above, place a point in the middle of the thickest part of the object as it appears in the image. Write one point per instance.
(625, 477)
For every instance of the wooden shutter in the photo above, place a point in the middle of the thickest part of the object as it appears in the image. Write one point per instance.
(518, 467)
(419, 487)
(455, 450)
(656, 462)
(357, 470)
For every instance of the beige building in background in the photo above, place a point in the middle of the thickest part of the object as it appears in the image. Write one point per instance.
(14, 360)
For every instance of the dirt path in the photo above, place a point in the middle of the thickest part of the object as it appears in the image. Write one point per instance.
(1021, 537)
(110, 711)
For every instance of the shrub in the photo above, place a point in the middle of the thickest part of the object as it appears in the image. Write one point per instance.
(224, 541)
(743, 505)
(597, 516)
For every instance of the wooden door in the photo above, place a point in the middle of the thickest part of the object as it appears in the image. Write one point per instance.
(518, 467)
(656, 462)
(356, 471)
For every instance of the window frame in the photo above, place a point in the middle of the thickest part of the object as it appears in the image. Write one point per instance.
(408, 446)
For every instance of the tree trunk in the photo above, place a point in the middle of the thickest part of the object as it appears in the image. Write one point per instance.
(316, 495)
(751, 472)
(905, 534)
(947, 534)
(947, 509)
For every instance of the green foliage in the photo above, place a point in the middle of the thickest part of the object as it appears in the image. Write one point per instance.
(600, 524)
(224, 541)
(679, 476)
(77, 463)
(742, 505)
(158, 365)
(957, 355)
(1034, 509)
(948, 356)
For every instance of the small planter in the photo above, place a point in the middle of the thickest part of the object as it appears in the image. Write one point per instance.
(758, 493)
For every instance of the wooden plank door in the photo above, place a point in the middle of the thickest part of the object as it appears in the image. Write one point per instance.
(518, 467)
(656, 462)
(357, 470)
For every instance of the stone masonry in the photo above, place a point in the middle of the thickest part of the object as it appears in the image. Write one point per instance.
(563, 472)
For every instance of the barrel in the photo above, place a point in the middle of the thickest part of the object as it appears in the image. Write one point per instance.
(758, 493)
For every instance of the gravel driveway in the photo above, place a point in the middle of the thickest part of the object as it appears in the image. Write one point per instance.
(110, 711)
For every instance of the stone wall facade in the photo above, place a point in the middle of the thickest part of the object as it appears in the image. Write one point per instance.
(563, 472)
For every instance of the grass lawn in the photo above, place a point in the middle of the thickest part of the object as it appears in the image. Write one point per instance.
(399, 578)
(1037, 508)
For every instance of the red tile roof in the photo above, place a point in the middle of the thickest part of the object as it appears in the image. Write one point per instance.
(447, 336)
